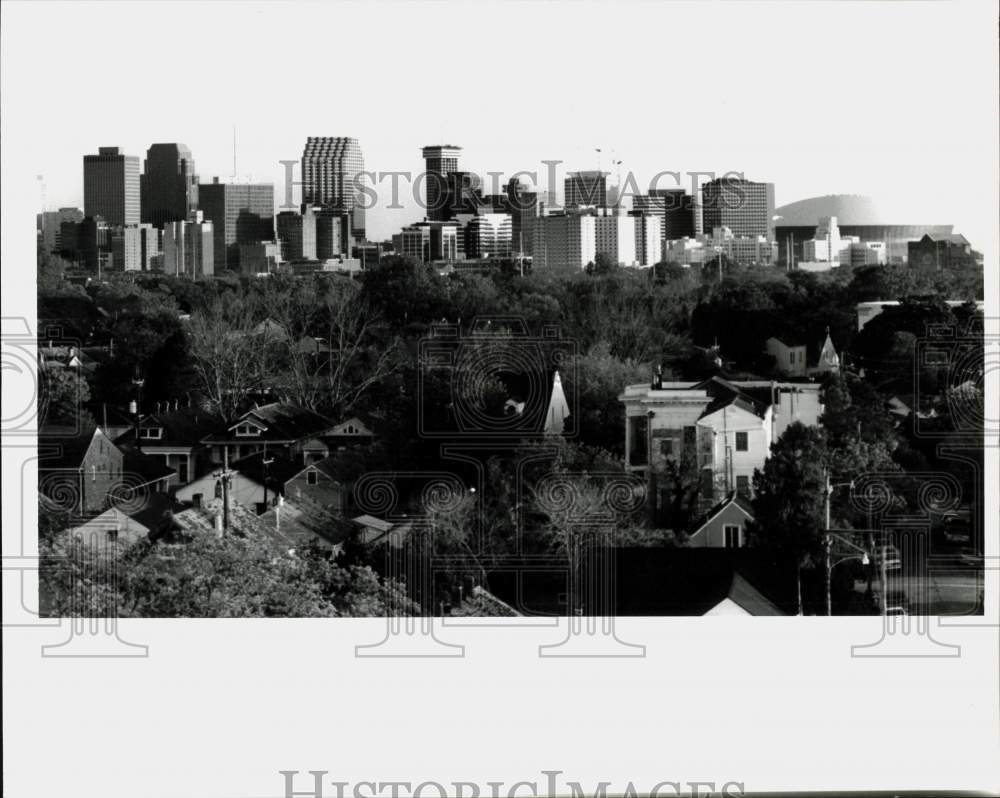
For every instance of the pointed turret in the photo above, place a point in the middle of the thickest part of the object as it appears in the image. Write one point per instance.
(558, 410)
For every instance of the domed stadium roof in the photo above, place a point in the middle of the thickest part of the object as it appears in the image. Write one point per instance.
(850, 209)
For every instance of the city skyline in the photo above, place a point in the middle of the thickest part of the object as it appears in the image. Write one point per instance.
(795, 150)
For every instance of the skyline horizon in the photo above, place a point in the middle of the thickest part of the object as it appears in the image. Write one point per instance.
(546, 168)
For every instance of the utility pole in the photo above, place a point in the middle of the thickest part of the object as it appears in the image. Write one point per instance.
(265, 462)
(225, 476)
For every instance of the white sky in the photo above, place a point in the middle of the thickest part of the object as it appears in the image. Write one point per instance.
(897, 100)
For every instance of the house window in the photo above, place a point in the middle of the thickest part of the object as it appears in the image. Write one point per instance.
(247, 431)
(151, 433)
(690, 436)
(742, 442)
(312, 478)
(732, 536)
(743, 485)
(667, 447)
(638, 433)
(93, 473)
(112, 535)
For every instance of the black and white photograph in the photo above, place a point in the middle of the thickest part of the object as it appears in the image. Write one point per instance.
(402, 383)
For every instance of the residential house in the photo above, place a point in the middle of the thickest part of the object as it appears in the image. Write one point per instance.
(723, 428)
(372, 531)
(78, 469)
(349, 433)
(175, 434)
(788, 359)
(255, 481)
(724, 526)
(321, 483)
(287, 429)
(299, 521)
(108, 528)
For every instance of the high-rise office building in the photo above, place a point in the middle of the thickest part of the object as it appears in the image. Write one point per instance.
(674, 207)
(111, 186)
(135, 247)
(169, 185)
(50, 226)
(297, 234)
(564, 243)
(333, 233)
(332, 168)
(648, 239)
(439, 162)
(240, 213)
(745, 207)
(488, 235)
(586, 188)
(615, 236)
(189, 247)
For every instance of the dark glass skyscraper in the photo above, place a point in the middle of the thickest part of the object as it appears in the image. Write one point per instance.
(586, 188)
(674, 206)
(241, 213)
(169, 184)
(440, 160)
(331, 166)
(111, 186)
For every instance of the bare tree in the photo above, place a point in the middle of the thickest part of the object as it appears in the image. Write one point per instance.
(227, 356)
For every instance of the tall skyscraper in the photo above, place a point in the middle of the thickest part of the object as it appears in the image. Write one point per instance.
(488, 234)
(745, 207)
(189, 247)
(111, 186)
(297, 234)
(240, 213)
(586, 188)
(331, 166)
(674, 207)
(439, 162)
(169, 184)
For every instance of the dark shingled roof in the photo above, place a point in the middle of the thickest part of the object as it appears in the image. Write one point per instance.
(284, 422)
(71, 444)
(279, 470)
(185, 426)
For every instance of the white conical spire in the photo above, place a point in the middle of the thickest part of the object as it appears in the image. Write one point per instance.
(558, 408)
(829, 360)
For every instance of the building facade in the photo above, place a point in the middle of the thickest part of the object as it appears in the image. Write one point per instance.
(489, 235)
(332, 174)
(565, 243)
(585, 188)
(297, 234)
(673, 206)
(111, 186)
(169, 185)
(615, 236)
(745, 207)
(648, 239)
(240, 213)
(189, 247)
(439, 161)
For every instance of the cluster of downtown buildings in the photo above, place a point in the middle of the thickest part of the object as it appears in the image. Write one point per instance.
(164, 219)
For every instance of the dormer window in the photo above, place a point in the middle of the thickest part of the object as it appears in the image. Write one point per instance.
(312, 478)
(247, 431)
(151, 433)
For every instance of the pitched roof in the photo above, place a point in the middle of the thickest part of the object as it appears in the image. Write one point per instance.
(71, 443)
(185, 426)
(686, 581)
(330, 466)
(733, 498)
(299, 521)
(281, 421)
